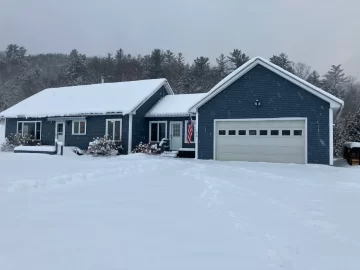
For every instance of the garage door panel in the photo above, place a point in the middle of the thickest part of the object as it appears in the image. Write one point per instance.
(269, 149)
(266, 148)
(262, 124)
(264, 158)
(260, 141)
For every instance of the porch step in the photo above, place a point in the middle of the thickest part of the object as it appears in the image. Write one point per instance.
(170, 154)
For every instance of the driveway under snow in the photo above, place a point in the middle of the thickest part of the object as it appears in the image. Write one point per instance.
(139, 212)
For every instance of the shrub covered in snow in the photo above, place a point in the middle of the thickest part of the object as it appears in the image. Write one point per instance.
(147, 148)
(104, 147)
(14, 140)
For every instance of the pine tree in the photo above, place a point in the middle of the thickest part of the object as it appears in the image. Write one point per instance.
(335, 80)
(282, 61)
(76, 72)
(156, 61)
(237, 58)
(314, 79)
(222, 67)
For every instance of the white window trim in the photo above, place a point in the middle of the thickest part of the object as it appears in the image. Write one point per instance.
(185, 139)
(107, 125)
(78, 134)
(22, 127)
(158, 135)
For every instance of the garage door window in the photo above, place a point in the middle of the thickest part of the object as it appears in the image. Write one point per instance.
(222, 132)
(297, 132)
(263, 132)
(242, 132)
(232, 132)
(274, 133)
(286, 133)
(252, 132)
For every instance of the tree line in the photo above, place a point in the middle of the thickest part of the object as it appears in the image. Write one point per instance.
(22, 75)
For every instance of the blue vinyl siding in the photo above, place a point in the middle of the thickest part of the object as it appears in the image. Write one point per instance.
(95, 127)
(279, 98)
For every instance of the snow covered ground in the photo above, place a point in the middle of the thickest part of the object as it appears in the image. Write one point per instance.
(140, 212)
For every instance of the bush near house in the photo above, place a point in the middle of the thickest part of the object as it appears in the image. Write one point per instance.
(14, 140)
(104, 147)
(147, 148)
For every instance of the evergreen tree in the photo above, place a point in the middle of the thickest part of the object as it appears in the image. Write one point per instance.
(314, 79)
(156, 61)
(76, 72)
(282, 61)
(335, 80)
(222, 67)
(237, 58)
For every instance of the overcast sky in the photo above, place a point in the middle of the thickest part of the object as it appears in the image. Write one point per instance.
(317, 32)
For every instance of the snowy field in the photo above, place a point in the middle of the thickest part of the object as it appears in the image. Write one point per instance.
(139, 212)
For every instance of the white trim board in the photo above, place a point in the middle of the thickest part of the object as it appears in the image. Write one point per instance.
(331, 137)
(334, 102)
(130, 133)
(196, 129)
(262, 119)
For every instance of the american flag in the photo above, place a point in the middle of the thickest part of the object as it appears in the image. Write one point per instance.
(190, 129)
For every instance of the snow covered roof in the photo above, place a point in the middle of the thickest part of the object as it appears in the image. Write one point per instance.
(335, 102)
(175, 105)
(120, 97)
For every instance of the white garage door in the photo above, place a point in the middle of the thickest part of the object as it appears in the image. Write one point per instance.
(270, 140)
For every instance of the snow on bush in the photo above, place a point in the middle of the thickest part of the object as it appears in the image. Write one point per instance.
(147, 148)
(14, 140)
(104, 147)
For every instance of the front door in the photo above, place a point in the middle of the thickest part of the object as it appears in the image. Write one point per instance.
(175, 135)
(60, 132)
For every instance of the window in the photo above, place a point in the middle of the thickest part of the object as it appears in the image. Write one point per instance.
(113, 129)
(79, 127)
(285, 132)
(274, 133)
(298, 132)
(263, 132)
(158, 131)
(242, 132)
(29, 128)
(252, 132)
(222, 132)
(232, 132)
(186, 130)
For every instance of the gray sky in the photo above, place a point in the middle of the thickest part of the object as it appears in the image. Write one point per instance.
(317, 32)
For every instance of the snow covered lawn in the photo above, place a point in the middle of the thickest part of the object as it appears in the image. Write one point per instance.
(139, 212)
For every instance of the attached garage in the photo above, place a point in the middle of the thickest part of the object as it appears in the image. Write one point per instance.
(261, 112)
(264, 140)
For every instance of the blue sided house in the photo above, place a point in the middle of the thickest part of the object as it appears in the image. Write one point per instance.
(259, 112)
